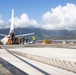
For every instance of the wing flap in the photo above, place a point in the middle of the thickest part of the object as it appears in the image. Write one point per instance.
(24, 35)
(3, 35)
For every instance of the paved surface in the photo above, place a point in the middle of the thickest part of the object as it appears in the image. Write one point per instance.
(4, 71)
(46, 69)
(8, 69)
(69, 46)
(31, 67)
(59, 57)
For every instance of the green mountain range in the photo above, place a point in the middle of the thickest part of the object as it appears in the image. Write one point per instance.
(42, 34)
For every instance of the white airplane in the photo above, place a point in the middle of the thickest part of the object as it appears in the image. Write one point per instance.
(5, 39)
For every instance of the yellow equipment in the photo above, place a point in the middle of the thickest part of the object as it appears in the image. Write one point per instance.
(47, 41)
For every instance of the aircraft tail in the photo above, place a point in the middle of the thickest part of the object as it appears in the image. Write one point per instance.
(12, 22)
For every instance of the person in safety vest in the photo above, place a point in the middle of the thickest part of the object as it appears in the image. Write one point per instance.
(33, 38)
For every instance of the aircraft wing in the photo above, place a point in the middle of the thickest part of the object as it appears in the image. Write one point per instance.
(3, 35)
(24, 35)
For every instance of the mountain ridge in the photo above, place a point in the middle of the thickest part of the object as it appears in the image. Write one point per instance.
(42, 33)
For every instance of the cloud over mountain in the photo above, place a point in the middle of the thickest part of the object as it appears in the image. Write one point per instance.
(61, 17)
(24, 21)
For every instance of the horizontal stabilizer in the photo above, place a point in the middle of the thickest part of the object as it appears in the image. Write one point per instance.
(22, 35)
(3, 35)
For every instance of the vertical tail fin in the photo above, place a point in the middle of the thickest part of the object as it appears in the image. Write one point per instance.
(12, 22)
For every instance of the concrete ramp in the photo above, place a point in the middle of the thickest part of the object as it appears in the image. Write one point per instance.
(31, 67)
(15, 61)
(66, 60)
(8, 69)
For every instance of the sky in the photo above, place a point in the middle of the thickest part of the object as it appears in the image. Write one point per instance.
(46, 14)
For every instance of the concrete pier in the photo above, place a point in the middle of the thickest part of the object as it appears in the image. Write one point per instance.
(58, 57)
(39, 61)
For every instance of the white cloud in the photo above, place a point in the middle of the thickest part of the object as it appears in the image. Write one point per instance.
(61, 17)
(24, 21)
(2, 24)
